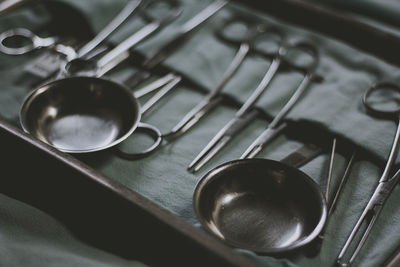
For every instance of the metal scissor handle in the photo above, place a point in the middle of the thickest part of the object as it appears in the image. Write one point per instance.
(246, 34)
(373, 109)
(277, 125)
(307, 68)
(35, 42)
(32, 41)
(174, 10)
(386, 183)
(167, 83)
(120, 52)
(149, 130)
(252, 35)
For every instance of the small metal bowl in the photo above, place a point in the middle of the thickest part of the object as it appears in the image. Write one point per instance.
(80, 114)
(261, 205)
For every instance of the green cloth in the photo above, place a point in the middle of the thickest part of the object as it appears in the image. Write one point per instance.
(333, 105)
(380, 10)
(30, 237)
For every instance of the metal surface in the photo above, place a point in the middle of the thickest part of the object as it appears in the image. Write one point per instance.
(213, 98)
(343, 180)
(175, 42)
(244, 115)
(277, 123)
(332, 203)
(262, 205)
(80, 114)
(35, 42)
(170, 81)
(86, 114)
(137, 228)
(386, 183)
(120, 53)
(329, 178)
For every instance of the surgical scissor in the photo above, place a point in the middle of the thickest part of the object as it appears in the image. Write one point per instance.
(34, 42)
(245, 44)
(386, 182)
(77, 65)
(154, 23)
(247, 113)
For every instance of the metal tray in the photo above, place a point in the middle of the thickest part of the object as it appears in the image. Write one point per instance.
(99, 210)
(123, 222)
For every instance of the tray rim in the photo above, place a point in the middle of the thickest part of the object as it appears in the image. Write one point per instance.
(332, 17)
(368, 38)
(161, 214)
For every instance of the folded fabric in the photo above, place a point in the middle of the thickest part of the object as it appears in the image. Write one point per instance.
(380, 10)
(30, 237)
(333, 104)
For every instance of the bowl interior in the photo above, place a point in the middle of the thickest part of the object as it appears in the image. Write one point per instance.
(261, 205)
(80, 114)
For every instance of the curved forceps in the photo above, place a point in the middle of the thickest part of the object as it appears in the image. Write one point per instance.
(277, 125)
(110, 61)
(243, 116)
(386, 182)
(246, 113)
(35, 42)
(213, 98)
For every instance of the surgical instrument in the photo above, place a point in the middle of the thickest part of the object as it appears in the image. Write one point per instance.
(245, 114)
(386, 182)
(277, 123)
(174, 43)
(35, 42)
(57, 111)
(213, 98)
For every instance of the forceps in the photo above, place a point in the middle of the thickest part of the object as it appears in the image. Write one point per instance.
(177, 40)
(386, 182)
(277, 125)
(331, 202)
(246, 113)
(35, 42)
(213, 98)
(78, 65)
